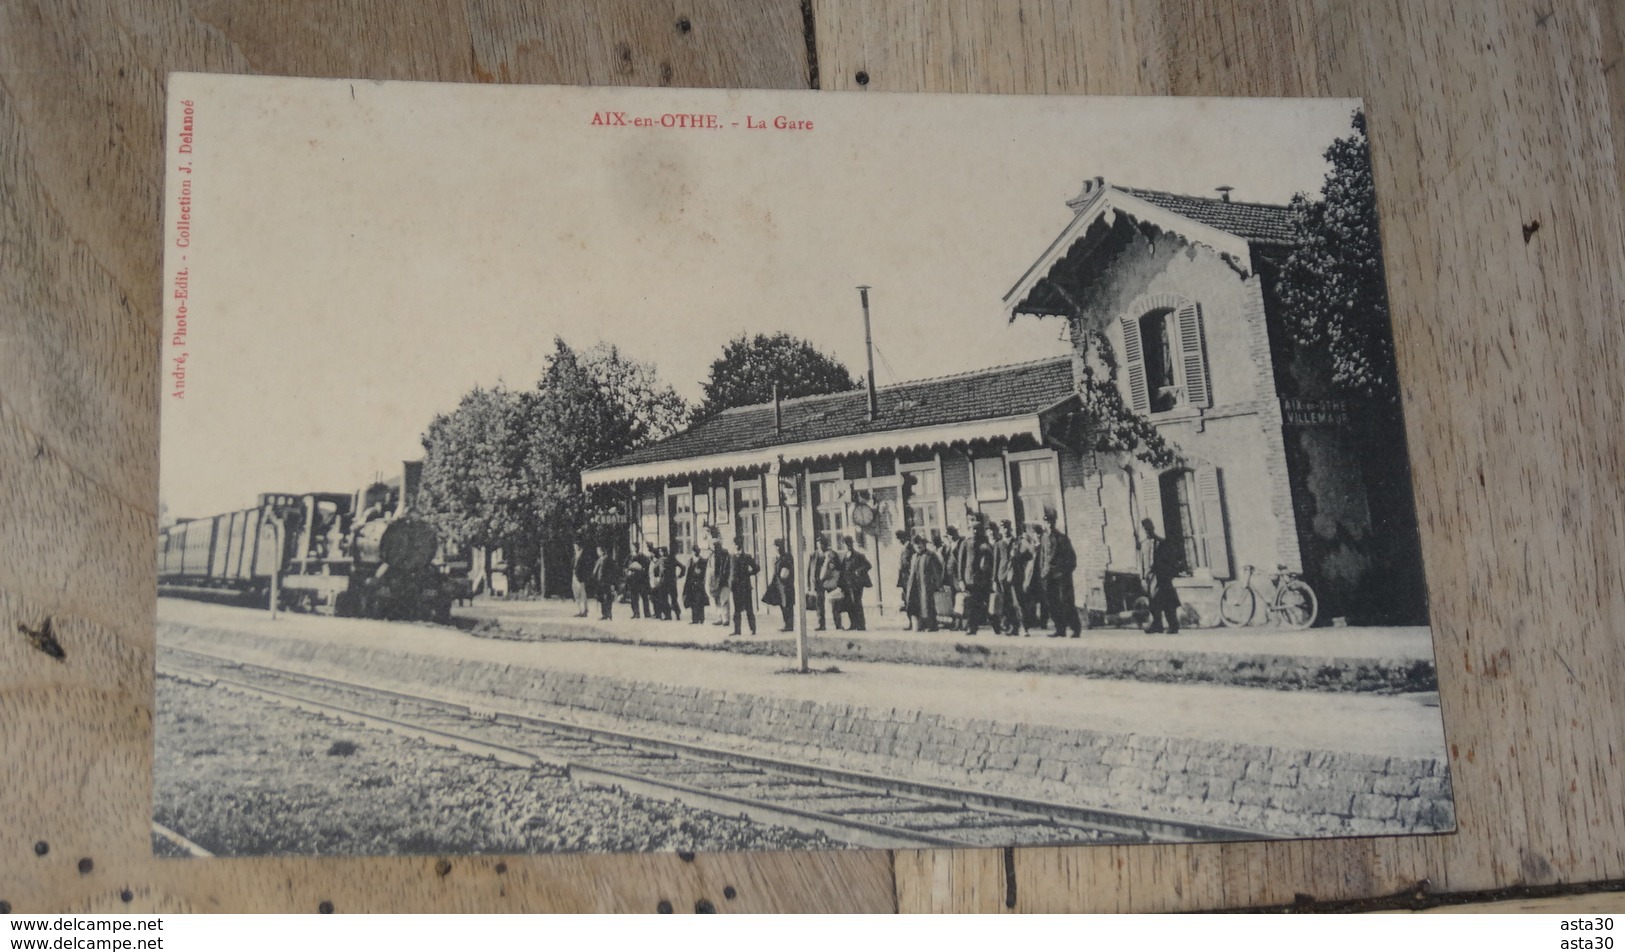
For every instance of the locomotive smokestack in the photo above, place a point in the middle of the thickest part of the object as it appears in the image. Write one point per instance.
(869, 350)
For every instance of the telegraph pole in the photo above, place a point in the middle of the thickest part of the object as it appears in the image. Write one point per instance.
(868, 349)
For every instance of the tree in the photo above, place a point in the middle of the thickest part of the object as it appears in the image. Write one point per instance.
(1333, 296)
(749, 367)
(473, 491)
(504, 468)
(588, 408)
(1332, 284)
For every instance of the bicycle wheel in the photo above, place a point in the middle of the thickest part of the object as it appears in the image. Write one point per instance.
(1296, 605)
(1237, 604)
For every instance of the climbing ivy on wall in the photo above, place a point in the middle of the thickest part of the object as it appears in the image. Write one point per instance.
(1113, 426)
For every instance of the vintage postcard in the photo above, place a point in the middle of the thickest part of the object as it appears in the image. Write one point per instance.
(574, 469)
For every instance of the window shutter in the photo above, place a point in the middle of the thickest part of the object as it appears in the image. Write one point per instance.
(1192, 358)
(1134, 365)
(1151, 500)
(1215, 537)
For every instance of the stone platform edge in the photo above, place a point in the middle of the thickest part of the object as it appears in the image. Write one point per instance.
(1274, 791)
(995, 653)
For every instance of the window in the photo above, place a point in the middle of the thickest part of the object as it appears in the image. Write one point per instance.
(1193, 514)
(1165, 356)
(829, 509)
(1178, 524)
(922, 497)
(1156, 339)
(1037, 487)
(649, 518)
(996, 511)
(748, 518)
(680, 507)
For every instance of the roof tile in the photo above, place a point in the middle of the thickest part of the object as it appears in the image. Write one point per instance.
(1254, 221)
(996, 392)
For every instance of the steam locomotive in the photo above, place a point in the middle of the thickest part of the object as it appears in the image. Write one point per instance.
(357, 555)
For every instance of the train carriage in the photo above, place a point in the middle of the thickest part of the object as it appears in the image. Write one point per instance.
(353, 554)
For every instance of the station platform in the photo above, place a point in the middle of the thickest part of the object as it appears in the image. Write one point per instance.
(1362, 659)
(1279, 762)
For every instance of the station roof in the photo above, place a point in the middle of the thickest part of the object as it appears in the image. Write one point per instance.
(1257, 222)
(996, 402)
(1234, 230)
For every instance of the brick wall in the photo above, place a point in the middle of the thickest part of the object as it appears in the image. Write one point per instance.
(1273, 791)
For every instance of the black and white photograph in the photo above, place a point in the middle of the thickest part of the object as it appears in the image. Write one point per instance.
(568, 469)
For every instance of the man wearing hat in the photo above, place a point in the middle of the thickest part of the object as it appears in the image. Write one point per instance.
(1057, 560)
(953, 568)
(742, 570)
(903, 560)
(1167, 560)
(999, 607)
(920, 590)
(719, 580)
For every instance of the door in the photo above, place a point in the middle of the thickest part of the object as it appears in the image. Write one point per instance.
(680, 521)
(888, 519)
(748, 526)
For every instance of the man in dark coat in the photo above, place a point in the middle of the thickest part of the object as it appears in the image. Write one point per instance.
(953, 569)
(902, 573)
(581, 575)
(1031, 583)
(1001, 569)
(855, 577)
(783, 583)
(823, 577)
(605, 573)
(665, 574)
(718, 585)
(637, 583)
(1057, 561)
(656, 582)
(1165, 561)
(977, 578)
(920, 590)
(694, 597)
(741, 575)
(1014, 582)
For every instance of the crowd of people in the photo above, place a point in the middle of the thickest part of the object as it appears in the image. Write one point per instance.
(1012, 580)
(656, 583)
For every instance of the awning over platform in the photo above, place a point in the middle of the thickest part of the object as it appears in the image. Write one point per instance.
(1010, 402)
(1011, 427)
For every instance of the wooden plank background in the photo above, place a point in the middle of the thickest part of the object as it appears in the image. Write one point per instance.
(1495, 127)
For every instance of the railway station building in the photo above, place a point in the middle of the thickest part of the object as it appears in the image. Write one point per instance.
(1170, 300)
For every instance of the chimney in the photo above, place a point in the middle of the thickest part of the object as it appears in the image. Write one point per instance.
(869, 349)
(411, 483)
(1090, 187)
(1224, 192)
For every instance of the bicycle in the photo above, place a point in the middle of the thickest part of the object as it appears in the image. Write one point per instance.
(1293, 604)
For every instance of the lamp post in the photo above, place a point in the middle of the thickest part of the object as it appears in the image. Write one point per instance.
(276, 566)
(793, 491)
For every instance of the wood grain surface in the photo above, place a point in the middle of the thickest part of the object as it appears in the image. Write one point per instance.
(1494, 127)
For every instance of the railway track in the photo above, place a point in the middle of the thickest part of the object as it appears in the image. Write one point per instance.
(852, 807)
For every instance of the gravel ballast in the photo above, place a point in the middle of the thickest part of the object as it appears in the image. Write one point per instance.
(243, 777)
